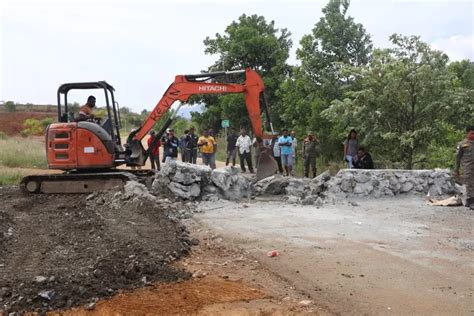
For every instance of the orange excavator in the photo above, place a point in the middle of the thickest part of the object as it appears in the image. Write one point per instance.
(89, 152)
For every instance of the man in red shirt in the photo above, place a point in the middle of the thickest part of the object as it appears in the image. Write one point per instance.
(154, 152)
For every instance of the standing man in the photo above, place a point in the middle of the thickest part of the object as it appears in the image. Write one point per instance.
(309, 154)
(208, 145)
(182, 145)
(294, 145)
(257, 144)
(243, 143)
(154, 152)
(85, 112)
(191, 146)
(164, 139)
(231, 149)
(285, 142)
(276, 152)
(171, 146)
(214, 149)
(465, 157)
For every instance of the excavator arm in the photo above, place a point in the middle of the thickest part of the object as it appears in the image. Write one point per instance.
(185, 86)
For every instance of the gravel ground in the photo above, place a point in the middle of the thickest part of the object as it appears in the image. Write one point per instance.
(70, 250)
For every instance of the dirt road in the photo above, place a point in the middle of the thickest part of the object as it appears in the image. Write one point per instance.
(380, 257)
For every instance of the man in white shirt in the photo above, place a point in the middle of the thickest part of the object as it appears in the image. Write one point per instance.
(294, 145)
(243, 143)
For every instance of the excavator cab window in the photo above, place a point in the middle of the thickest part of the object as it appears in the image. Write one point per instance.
(111, 122)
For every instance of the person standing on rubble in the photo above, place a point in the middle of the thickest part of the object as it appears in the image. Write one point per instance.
(465, 157)
(309, 154)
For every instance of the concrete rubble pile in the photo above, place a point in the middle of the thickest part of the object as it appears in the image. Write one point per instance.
(200, 183)
(392, 182)
(195, 182)
(353, 183)
(297, 190)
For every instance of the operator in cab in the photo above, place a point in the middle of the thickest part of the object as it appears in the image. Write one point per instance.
(85, 112)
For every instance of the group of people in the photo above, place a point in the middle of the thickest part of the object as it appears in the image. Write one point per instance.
(284, 149)
(188, 145)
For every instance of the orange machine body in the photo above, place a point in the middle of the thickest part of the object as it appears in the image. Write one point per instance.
(78, 146)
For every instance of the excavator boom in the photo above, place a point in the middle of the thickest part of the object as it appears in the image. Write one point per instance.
(185, 86)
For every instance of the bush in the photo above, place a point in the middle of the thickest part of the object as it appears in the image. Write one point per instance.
(45, 122)
(32, 127)
(3, 136)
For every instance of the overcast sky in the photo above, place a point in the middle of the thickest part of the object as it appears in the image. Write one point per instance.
(139, 46)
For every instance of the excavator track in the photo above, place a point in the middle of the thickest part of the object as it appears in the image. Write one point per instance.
(67, 183)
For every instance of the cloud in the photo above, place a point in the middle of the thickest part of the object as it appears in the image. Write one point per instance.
(457, 47)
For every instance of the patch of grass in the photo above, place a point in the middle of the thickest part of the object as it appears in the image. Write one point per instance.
(24, 153)
(8, 177)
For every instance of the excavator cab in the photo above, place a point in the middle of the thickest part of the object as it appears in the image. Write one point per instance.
(84, 145)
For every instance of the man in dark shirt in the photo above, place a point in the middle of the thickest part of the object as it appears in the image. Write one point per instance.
(364, 160)
(231, 148)
(191, 146)
(171, 146)
(182, 146)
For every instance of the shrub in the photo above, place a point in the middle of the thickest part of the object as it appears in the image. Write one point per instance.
(32, 127)
(45, 122)
(3, 136)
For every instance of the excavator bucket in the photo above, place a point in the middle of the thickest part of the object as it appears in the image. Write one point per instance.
(267, 166)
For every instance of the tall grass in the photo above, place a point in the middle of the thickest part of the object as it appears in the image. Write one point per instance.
(8, 177)
(23, 153)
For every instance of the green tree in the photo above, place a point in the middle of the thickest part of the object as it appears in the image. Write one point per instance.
(10, 106)
(251, 42)
(335, 41)
(401, 102)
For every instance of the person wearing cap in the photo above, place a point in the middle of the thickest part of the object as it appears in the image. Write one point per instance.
(85, 112)
(309, 154)
(465, 158)
(155, 151)
(208, 147)
(171, 146)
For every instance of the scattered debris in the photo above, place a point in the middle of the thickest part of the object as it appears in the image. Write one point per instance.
(451, 201)
(273, 253)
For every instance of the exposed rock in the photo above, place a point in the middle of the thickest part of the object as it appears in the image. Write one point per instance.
(187, 192)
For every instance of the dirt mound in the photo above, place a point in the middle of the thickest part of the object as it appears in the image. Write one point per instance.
(12, 123)
(70, 250)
